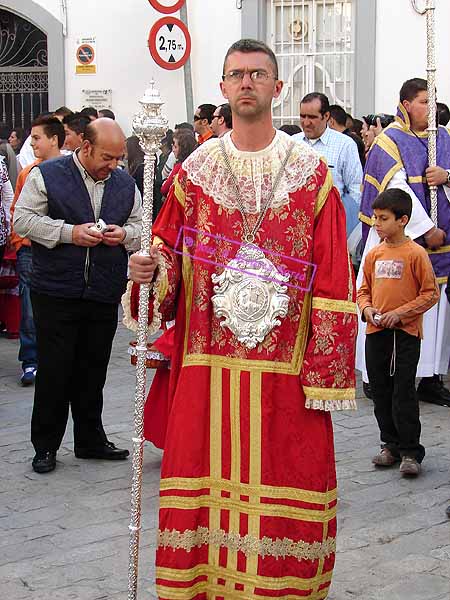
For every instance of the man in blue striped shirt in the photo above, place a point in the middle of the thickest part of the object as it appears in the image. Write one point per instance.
(340, 152)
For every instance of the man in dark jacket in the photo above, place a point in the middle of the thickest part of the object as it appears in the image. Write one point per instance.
(79, 276)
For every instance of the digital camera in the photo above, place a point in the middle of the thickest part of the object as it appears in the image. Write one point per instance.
(100, 226)
(385, 119)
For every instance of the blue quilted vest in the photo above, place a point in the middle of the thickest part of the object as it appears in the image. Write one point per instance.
(69, 271)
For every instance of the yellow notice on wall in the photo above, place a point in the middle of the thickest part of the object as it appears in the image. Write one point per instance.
(86, 69)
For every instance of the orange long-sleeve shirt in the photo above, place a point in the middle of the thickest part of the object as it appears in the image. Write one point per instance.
(399, 278)
(15, 239)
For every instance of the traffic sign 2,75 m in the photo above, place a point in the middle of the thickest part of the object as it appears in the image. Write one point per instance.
(169, 43)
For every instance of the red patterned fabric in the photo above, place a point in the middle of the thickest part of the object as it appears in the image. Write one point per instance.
(248, 485)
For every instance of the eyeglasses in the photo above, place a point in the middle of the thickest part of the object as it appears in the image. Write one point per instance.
(216, 117)
(198, 118)
(257, 76)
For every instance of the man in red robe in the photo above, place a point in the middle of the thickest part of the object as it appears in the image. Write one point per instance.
(250, 258)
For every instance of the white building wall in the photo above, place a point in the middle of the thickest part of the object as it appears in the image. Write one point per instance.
(124, 63)
(401, 50)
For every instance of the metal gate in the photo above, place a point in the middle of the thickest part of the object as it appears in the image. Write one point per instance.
(314, 44)
(23, 71)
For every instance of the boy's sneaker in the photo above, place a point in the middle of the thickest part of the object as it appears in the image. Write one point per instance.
(385, 458)
(409, 467)
(28, 376)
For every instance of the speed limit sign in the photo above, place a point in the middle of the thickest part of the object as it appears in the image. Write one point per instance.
(169, 8)
(169, 43)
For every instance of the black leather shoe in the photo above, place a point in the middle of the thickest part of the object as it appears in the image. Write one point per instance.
(44, 462)
(106, 451)
(432, 390)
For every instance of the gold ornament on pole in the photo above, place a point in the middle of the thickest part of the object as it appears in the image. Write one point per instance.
(149, 125)
(428, 10)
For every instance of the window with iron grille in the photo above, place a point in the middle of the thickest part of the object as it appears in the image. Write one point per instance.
(314, 43)
(23, 70)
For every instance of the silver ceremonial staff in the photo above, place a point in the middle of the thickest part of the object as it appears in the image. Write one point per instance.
(431, 80)
(149, 125)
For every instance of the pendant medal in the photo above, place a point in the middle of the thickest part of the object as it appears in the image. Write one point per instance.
(251, 296)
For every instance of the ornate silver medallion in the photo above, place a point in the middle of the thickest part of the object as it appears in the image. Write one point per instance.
(251, 296)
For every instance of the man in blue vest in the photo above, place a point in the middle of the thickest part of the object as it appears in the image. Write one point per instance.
(79, 276)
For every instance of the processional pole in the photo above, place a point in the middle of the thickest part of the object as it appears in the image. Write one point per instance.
(431, 84)
(149, 125)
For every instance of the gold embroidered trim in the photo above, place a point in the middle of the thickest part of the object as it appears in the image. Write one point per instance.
(389, 146)
(441, 250)
(441, 280)
(247, 544)
(323, 193)
(247, 508)
(258, 491)
(260, 581)
(334, 305)
(417, 179)
(370, 179)
(330, 399)
(364, 219)
(220, 591)
(179, 192)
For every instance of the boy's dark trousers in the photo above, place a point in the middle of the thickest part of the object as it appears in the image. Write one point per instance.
(396, 406)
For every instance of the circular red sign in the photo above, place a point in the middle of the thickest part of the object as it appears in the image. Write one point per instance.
(85, 54)
(167, 10)
(163, 54)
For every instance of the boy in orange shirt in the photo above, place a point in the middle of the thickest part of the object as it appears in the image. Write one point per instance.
(399, 285)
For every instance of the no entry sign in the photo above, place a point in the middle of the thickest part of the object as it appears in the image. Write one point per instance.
(167, 8)
(169, 43)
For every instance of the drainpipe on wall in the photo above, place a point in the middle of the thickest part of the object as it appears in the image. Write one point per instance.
(64, 16)
(187, 73)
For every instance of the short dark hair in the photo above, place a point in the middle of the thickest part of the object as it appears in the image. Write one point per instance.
(290, 129)
(186, 142)
(184, 126)
(51, 126)
(443, 113)
(77, 122)
(357, 126)
(207, 111)
(396, 200)
(105, 112)
(411, 88)
(247, 46)
(338, 114)
(90, 111)
(21, 134)
(225, 113)
(324, 102)
(63, 111)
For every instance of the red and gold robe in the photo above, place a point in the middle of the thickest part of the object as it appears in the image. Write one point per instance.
(248, 485)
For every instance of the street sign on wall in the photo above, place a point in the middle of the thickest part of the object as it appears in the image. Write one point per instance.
(167, 7)
(86, 56)
(169, 43)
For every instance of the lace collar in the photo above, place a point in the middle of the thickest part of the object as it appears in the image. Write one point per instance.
(255, 172)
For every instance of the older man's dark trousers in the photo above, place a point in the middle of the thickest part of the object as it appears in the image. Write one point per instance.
(394, 395)
(74, 340)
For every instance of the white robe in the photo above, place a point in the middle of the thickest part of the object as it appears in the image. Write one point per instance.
(435, 348)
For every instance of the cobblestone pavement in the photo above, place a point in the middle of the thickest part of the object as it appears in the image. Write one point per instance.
(64, 536)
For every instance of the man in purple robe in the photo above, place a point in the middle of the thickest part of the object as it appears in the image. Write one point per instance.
(399, 159)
